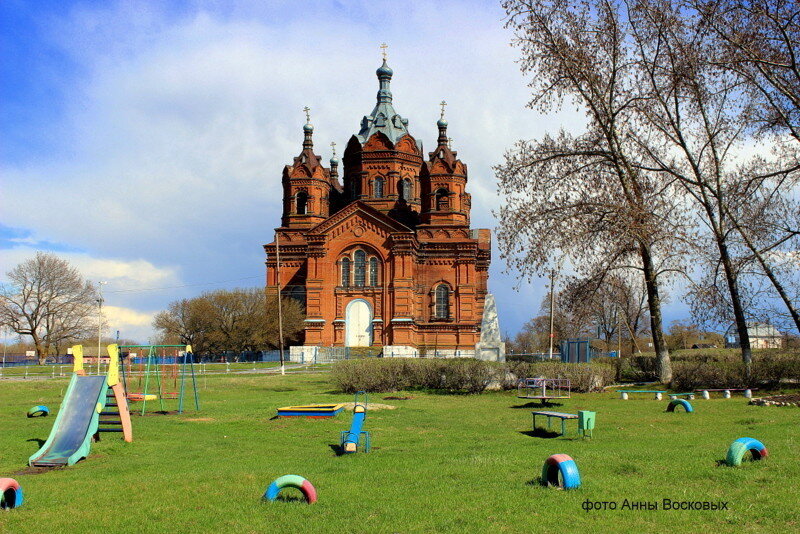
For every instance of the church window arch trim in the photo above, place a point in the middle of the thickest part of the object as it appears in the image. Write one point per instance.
(441, 301)
(301, 203)
(359, 267)
(440, 199)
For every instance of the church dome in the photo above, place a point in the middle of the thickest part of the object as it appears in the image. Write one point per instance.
(384, 70)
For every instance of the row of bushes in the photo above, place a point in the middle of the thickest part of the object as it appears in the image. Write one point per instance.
(460, 375)
(712, 369)
(765, 372)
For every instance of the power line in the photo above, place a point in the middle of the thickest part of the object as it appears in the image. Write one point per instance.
(182, 286)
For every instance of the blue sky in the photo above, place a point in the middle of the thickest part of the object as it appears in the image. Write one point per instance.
(144, 141)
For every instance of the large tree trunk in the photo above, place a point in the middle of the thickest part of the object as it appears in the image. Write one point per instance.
(41, 349)
(736, 302)
(656, 322)
(771, 275)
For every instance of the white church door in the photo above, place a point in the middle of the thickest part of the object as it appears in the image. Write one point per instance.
(358, 324)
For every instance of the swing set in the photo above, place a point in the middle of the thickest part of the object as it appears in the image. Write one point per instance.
(166, 374)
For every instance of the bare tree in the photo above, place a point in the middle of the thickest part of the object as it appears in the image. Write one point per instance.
(568, 322)
(189, 320)
(587, 196)
(702, 117)
(615, 304)
(48, 300)
(759, 40)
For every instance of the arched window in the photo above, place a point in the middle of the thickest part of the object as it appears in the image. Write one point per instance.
(442, 301)
(378, 187)
(404, 189)
(441, 199)
(301, 202)
(373, 271)
(360, 276)
(298, 293)
(345, 272)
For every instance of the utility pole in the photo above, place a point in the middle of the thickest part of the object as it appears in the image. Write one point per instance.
(552, 307)
(99, 321)
(278, 286)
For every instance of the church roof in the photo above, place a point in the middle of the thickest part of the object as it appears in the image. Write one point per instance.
(383, 118)
(358, 207)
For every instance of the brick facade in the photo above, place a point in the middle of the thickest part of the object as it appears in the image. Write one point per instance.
(387, 257)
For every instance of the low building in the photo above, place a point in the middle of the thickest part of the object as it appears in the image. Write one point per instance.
(762, 336)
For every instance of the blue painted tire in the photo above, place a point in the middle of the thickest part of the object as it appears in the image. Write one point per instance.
(739, 449)
(10, 494)
(39, 411)
(687, 406)
(565, 466)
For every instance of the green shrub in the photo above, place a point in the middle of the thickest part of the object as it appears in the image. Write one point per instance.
(691, 375)
(768, 370)
(461, 375)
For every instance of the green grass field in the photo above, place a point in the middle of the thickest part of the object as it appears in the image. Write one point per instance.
(454, 463)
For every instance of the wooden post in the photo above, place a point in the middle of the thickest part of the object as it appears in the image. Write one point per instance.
(278, 285)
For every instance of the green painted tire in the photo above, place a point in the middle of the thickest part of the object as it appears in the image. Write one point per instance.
(736, 453)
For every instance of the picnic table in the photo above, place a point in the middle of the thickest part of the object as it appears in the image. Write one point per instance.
(557, 415)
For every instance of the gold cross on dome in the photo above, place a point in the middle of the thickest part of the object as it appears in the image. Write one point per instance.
(333, 147)
(308, 113)
(384, 47)
(442, 104)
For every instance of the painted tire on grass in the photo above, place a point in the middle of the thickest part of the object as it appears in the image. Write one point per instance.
(39, 411)
(740, 447)
(564, 465)
(291, 481)
(10, 493)
(687, 406)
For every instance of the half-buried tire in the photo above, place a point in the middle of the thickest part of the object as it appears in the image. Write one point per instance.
(561, 464)
(739, 449)
(686, 405)
(10, 493)
(39, 411)
(291, 481)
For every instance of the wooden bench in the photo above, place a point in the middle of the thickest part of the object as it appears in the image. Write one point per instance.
(726, 392)
(557, 415)
(623, 393)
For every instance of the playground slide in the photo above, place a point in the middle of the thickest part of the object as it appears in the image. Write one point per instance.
(76, 423)
(351, 439)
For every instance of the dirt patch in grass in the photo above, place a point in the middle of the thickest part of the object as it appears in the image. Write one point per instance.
(398, 398)
(371, 406)
(778, 400)
(36, 470)
(201, 419)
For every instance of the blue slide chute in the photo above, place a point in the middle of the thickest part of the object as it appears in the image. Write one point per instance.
(76, 423)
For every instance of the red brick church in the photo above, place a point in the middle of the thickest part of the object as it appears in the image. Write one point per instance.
(385, 257)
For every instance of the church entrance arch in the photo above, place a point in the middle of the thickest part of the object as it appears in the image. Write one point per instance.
(358, 324)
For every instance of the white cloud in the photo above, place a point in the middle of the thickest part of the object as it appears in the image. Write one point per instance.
(131, 324)
(120, 274)
(178, 127)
